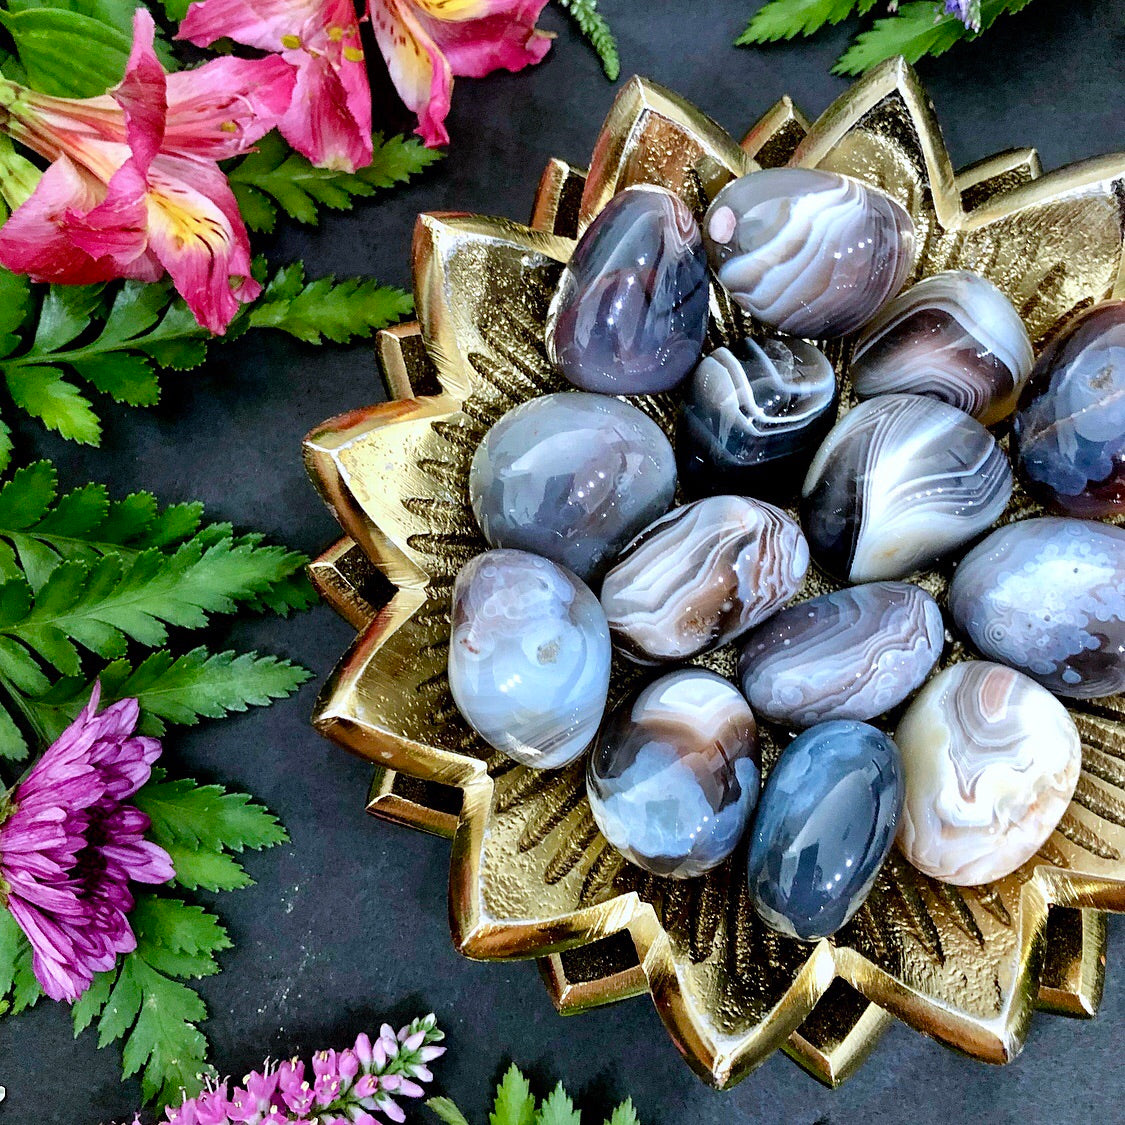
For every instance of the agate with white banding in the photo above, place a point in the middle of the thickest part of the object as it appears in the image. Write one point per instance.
(991, 760)
(701, 576)
(807, 252)
(630, 312)
(851, 654)
(1069, 433)
(899, 482)
(825, 823)
(529, 657)
(955, 337)
(753, 415)
(673, 776)
(572, 477)
(1047, 596)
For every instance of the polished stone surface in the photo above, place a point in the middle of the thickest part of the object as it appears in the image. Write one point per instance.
(807, 252)
(753, 415)
(673, 777)
(701, 576)
(955, 337)
(631, 309)
(529, 657)
(850, 654)
(572, 477)
(1069, 433)
(825, 823)
(899, 482)
(990, 760)
(1047, 596)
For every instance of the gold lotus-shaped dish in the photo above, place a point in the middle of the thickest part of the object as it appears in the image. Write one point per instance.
(530, 876)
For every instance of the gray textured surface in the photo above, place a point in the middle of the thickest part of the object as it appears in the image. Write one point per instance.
(349, 922)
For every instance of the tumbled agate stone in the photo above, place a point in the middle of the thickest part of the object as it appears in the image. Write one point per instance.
(529, 657)
(1069, 433)
(851, 654)
(1047, 596)
(991, 760)
(673, 776)
(753, 415)
(572, 477)
(899, 482)
(630, 312)
(807, 252)
(955, 337)
(825, 823)
(702, 576)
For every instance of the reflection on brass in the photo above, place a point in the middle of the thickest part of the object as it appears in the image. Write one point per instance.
(530, 876)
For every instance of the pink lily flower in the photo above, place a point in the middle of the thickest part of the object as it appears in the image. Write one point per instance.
(427, 42)
(329, 117)
(134, 189)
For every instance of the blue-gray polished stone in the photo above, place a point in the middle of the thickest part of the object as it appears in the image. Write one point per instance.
(572, 477)
(825, 823)
(630, 312)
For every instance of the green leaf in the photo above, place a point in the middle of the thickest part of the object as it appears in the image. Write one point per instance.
(214, 871)
(274, 177)
(46, 395)
(514, 1104)
(65, 313)
(624, 1114)
(785, 19)
(15, 304)
(558, 1109)
(115, 13)
(172, 924)
(17, 980)
(325, 309)
(447, 1111)
(66, 53)
(13, 745)
(89, 1005)
(593, 25)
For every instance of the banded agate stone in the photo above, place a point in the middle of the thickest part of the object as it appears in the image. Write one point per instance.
(900, 481)
(825, 823)
(808, 252)
(1047, 596)
(674, 774)
(529, 657)
(752, 417)
(955, 337)
(1069, 433)
(702, 576)
(630, 312)
(991, 761)
(851, 654)
(572, 477)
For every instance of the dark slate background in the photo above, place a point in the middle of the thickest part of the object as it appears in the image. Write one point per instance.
(348, 923)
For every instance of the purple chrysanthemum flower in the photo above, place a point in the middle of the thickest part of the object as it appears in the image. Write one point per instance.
(69, 847)
(967, 11)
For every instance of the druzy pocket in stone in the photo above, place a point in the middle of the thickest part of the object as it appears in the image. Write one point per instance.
(630, 312)
(674, 774)
(825, 823)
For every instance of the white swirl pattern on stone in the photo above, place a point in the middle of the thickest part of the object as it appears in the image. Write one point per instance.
(955, 337)
(899, 482)
(701, 576)
(991, 761)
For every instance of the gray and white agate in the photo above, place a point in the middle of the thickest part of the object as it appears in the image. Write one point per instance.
(899, 482)
(572, 477)
(955, 337)
(991, 761)
(529, 657)
(807, 252)
(673, 777)
(851, 654)
(630, 312)
(825, 823)
(753, 416)
(1047, 596)
(701, 576)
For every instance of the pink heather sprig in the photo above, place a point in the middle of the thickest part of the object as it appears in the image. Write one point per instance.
(350, 1087)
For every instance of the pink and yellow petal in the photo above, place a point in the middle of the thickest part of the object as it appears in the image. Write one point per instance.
(257, 23)
(329, 120)
(500, 41)
(142, 93)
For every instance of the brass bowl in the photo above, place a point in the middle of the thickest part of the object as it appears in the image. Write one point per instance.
(530, 876)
